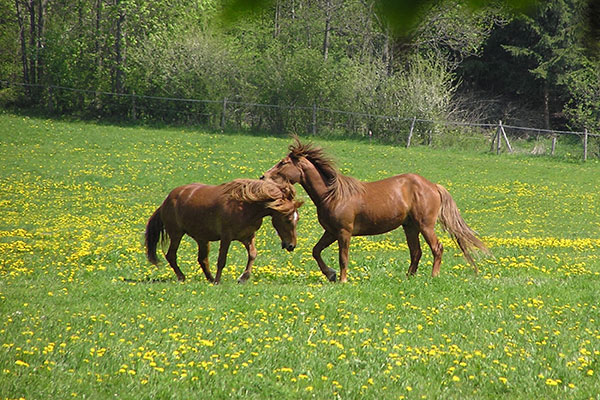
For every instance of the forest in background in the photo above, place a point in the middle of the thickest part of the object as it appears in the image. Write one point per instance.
(455, 60)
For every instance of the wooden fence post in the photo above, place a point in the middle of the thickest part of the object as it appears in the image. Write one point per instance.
(553, 144)
(133, 112)
(510, 150)
(410, 134)
(585, 144)
(223, 113)
(498, 144)
(50, 99)
(494, 141)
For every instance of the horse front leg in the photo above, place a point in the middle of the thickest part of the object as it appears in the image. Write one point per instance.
(344, 248)
(251, 249)
(322, 244)
(223, 249)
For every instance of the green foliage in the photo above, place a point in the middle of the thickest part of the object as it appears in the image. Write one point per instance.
(397, 59)
(584, 106)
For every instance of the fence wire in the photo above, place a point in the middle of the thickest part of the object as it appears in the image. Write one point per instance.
(137, 106)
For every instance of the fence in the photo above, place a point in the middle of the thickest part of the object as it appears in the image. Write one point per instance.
(221, 113)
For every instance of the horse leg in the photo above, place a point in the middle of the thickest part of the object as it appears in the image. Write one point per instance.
(251, 249)
(171, 255)
(414, 246)
(436, 248)
(322, 244)
(223, 249)
(203, 248)
(344, 247)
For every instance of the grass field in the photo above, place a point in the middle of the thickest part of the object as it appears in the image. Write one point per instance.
(84, 315)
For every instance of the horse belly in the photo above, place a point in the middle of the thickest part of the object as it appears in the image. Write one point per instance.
(375, 226)
(380, 218)
(202, 227)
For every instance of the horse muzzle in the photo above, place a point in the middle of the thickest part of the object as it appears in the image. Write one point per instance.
(288, 246)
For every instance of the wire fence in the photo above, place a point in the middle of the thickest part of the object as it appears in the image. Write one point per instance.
(227, 113)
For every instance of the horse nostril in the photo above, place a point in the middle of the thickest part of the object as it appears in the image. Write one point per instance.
(262, 177)
(290, 247)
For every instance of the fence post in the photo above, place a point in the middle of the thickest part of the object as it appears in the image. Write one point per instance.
(585, 144)
(510, 150)
(133, 106)
(50, 99)
(553, 144)
(498, 144)
(314, 118)
(412, 127)
(223, 113)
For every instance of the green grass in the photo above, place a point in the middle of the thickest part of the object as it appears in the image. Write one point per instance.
(85, 315)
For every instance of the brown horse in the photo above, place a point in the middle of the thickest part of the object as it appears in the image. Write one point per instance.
(227, 212)
(347, 207)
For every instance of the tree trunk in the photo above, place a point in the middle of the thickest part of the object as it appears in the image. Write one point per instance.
(277, 17)
(23, 41)
(546, 105)
(32, 45)
(118, 84)
(327, 29)
(41, 14)
(388, 52)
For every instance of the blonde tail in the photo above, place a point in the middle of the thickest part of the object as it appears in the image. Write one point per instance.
(455, 225)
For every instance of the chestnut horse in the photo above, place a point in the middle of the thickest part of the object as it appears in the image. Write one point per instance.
(347, 207)
(227, 212)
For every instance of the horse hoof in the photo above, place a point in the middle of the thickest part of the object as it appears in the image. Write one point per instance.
(332, 278)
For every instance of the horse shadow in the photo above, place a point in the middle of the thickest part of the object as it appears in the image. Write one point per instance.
(147, 280)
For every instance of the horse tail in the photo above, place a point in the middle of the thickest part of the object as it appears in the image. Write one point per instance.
(155, 232)
(455, 225)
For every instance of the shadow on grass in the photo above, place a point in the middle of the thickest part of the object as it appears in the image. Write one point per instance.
(147, 280)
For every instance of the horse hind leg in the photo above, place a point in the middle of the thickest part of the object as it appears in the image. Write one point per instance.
(203, 248)
(436, 248)
(171, 255)
(414, 246)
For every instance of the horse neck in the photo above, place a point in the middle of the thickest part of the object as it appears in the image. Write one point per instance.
(313, 183)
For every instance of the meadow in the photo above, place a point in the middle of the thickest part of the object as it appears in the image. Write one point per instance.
(84, 315)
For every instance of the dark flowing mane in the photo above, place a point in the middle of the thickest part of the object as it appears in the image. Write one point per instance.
(278, 196)
(339, 186)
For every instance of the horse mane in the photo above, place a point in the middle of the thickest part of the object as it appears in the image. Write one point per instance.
(339, 187)
(277, 196)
